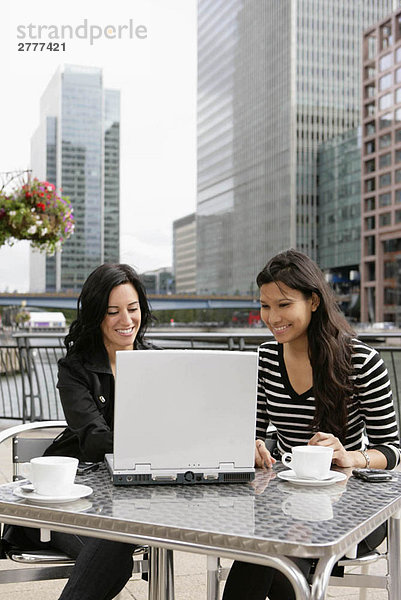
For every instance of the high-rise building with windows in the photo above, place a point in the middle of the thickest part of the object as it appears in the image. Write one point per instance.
(76, 147)
(275, 79)
(184, 254)
(381, 172)
(339, 216)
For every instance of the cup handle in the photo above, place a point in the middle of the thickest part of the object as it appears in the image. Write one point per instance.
(286, 459)
(26, 470)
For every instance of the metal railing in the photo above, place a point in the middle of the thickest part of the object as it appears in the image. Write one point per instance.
(28, 365)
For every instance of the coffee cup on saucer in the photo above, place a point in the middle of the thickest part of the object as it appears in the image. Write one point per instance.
(309, 462)
(51, 475)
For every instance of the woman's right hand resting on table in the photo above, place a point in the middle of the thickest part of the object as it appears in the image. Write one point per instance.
(263, 458)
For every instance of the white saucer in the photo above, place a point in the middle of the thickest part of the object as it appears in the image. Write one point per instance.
(335, 477)
(78, 491)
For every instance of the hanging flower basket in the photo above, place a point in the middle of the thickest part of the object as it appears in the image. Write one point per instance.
(35, 212)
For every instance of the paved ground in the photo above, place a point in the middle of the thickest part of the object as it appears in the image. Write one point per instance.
(190, 569)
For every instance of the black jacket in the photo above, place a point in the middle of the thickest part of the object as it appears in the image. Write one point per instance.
(86, 386)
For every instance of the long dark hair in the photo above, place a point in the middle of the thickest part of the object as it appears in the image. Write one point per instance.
(85, 333)
(329, 338)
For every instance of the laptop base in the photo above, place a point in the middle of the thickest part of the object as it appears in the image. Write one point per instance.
(182, 478)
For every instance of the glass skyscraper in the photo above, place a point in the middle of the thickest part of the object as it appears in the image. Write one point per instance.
(76, 147)
(339, 192)
(275, 79)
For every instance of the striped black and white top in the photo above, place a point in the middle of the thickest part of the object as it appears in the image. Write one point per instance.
(371, 410)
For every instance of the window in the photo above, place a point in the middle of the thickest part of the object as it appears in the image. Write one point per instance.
(371, 271)
(390, 269)
(390, 295)
(385, 180)
(393, 245)
(370, 128)
(397, 156)
(370, 223)
(385, 101)
(398, 95)
(398, 136)
(386, 61)
(397, 176)
(398, 55)
(398, 75)
(385, 120)
(386, 36)
(370, 245)
(385, 219)
(384, 82)
(370, 185)
(370, 147)
(384, 160)
(370, 72)
(370, 91)
(370, 109)
(370, 165)
(370, 204)
(385, 199)
(398, 114)
(398, 196)
(398, 216)
(371, 46)
(385, 140)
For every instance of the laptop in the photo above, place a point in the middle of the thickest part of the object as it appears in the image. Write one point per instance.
(184, 417)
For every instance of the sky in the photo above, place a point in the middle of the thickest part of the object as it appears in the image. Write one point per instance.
(156, 75)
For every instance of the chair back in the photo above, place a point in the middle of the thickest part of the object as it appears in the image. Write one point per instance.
(25, 448)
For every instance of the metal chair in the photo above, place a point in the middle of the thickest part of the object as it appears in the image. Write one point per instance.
(216, 573)
(48, 564)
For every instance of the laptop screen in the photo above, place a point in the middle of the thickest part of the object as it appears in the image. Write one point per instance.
(184, 409)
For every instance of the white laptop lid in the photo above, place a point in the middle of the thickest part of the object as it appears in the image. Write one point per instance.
(184, 409)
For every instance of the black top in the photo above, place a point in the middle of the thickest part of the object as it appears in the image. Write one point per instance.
(86, 386)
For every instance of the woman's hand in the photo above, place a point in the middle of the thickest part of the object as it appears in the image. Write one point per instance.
(263, 458)
(341, 457)
(348, 458)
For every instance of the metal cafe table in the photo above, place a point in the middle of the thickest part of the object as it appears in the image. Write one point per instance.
(264, 523)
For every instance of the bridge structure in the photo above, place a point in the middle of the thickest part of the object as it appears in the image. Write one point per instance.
(157, 302)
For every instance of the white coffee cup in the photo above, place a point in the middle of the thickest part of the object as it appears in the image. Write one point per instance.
(51, 475)
(308, 507)
(309, 462)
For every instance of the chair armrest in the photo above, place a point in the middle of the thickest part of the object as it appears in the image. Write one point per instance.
(366, 559)
(13, 431)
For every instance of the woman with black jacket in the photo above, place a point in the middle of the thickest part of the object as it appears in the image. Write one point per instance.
(112, 314)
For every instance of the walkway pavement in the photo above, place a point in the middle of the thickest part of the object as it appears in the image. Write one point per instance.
(190, 569)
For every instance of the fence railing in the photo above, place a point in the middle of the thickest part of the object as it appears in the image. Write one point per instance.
(28, 365)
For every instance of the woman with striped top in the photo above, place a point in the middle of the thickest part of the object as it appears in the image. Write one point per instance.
(317, 385)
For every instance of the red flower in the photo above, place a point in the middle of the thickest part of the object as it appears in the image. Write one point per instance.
(28, 195)
(41, 205)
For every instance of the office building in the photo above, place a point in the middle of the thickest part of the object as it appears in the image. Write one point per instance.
(159, 281)
(275, 80)
(381, 172)
(76, 147)
(339, 216)
(184, 254)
